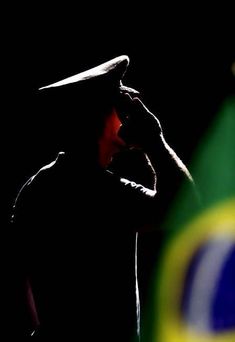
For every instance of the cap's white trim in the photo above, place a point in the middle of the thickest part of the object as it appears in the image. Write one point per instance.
(96, 71)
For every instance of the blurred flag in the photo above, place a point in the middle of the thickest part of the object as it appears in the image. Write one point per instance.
(194, 287)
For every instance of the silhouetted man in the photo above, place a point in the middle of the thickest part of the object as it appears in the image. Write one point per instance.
(76, 222)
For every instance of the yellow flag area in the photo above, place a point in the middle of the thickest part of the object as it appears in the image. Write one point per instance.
(205, 245)
(194, 287)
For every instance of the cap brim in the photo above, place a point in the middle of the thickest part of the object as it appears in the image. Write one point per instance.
(112, 70)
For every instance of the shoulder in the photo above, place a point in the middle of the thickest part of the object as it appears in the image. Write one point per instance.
(37, 185)
(47, 169)
(43, 173)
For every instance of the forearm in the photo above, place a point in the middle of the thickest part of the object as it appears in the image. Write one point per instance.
(171, 174)
(164, 160)
(143, 129)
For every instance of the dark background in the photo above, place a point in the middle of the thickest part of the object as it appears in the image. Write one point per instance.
(180, 60)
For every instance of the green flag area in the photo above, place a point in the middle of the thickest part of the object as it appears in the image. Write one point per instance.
(193, 292)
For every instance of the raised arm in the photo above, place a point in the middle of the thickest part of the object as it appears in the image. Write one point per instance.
(142, 129)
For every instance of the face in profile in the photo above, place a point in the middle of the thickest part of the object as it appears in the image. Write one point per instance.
(110, 143)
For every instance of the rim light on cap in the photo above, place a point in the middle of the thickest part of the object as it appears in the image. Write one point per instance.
(116, 65)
